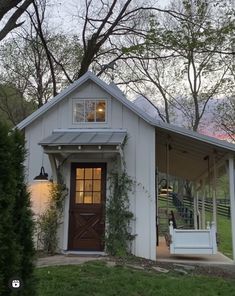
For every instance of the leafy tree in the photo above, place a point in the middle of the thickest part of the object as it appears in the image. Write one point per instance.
(182, 59)
(25, 65)
(225, 116)
(13, 106)
(106, 25)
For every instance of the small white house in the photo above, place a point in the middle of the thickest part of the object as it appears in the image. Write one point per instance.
(82, 130)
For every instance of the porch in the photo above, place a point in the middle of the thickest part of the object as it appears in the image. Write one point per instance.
(163, 255)
(199, 163)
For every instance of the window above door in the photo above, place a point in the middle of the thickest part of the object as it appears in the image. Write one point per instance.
(89, 111)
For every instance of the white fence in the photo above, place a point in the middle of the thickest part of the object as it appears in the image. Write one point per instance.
(193, 241)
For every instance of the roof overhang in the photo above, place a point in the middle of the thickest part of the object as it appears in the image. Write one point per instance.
(83, 140)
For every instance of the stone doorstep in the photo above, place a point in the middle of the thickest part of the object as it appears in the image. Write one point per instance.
(181, 271)
(184, 266)
(111, 263)
(134, 266)
(160, 269)
(63, 260)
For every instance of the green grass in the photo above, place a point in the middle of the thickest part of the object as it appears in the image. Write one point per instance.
(224, 234)
(95, 278)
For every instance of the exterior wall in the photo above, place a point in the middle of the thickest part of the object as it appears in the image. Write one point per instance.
(60, 116)
(139, 155)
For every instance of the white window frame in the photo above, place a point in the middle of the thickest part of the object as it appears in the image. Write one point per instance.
(75, 101)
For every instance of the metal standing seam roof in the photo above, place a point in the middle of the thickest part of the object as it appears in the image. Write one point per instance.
(60, 138)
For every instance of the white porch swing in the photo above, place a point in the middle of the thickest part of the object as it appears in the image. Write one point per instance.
(202, 239)
(193, 241)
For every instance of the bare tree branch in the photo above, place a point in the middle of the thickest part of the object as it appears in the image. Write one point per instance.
(6, 6)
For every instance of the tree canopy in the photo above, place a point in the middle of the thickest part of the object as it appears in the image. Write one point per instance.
(179, 57)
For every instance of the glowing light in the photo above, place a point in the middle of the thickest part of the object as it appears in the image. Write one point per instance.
(40, 194)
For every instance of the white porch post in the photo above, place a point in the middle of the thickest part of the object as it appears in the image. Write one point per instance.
(232, 199)
(167, 176)
(203, 204)
(214, 192)
(194, 194)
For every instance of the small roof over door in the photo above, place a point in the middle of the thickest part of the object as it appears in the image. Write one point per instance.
(74, 137)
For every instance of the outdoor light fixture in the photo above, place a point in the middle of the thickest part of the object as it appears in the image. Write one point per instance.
(42, 176)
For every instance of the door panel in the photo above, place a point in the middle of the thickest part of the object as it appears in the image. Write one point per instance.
(87, 205)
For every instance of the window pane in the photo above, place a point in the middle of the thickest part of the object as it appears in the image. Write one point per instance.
(97, 173)
(88, 173)
(79, 185)
(89, 111)
(97, 185)
(100, 111)
(80, 173)
(88, 197)
(78, 114)
(88, 185)
(79, 197)
(96, 197)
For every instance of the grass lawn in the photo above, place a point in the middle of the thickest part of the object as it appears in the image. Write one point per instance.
(95, 278)
(225, 236)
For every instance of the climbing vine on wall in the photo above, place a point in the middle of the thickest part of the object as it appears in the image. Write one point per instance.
(50, 220)
(118, 236)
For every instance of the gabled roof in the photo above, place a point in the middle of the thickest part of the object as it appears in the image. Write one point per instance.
(117, 94)
(113, 91)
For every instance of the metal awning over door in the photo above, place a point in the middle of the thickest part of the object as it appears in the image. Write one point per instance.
(83, 140)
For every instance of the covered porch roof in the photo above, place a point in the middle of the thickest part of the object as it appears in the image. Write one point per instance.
(187, 157)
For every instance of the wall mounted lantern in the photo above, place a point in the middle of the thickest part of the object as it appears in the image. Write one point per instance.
(43, 176)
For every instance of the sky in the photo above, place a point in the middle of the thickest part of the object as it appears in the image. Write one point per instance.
(63, 14)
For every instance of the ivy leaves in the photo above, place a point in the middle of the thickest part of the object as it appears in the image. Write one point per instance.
(118, 236)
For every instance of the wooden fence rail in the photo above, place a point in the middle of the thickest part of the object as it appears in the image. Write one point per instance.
(223, 208)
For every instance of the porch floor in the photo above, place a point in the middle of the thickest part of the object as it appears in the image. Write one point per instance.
(163, 254)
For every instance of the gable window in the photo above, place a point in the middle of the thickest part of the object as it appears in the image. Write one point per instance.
(89, 110)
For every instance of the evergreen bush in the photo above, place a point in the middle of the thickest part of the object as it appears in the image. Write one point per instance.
(16, 224)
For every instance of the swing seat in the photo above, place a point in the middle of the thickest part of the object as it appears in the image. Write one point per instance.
(193, 241)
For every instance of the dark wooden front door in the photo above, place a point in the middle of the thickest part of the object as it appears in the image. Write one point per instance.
(87, 205)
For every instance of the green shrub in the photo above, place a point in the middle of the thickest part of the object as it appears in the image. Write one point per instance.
(49, 221)
(16, 225)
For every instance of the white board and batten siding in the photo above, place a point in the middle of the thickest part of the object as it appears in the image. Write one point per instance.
(139, 156)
